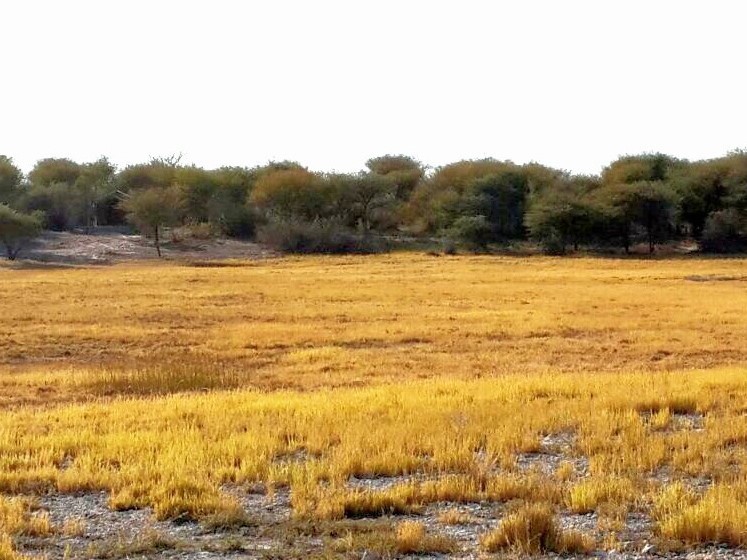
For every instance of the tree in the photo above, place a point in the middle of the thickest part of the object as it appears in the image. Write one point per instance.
(292, 194)
(700, 188)
(94, 184)
(404, 172)
(369, 192)
(501, 198)
(152, 209)
(53, 171)
(725, 232)
(435, 202)
(559, 219)
(645, 167)
(59, 203)
(16, 229)
(473, 231)
(198, 187)
(10, 180)
(156, 173)
(646, 204)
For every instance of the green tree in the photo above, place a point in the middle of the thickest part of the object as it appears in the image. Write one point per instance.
(10, 180)
(16, 229)
(501, 198)
(559, 219)
(438, 201)
(368, 193)
(292, 194)
(403, 171)
(646, 204)
(156, 173)
(475, 232)
(94, 185)
(59, 203)
(198, 187)
(152, 209)
(725, 231)
(645, 167)
(54, 171)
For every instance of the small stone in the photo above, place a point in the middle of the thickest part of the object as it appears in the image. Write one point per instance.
(648, 549)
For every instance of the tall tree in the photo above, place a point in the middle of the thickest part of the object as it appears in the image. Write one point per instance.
(646, 204)
(95, 182)
(152, 209)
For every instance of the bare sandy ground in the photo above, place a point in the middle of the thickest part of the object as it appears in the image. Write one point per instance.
(109, 246)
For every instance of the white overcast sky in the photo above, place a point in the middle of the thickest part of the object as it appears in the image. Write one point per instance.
(572, 84)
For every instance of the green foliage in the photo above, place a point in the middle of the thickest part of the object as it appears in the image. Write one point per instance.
(501, 198)
(317, 236)
(649, 198)
(474, 232)
(156, 173)
(10, 180)
(645, 205)
(289, 194)
(53, 171)
(367, 195)
(154, 208)
(16, 229)
(94, 186)
(701, 188)
(404, 172)
(557, 220)
(198, 188)
(725, 231)
(645, 167)
(59, 203)
(435, 203)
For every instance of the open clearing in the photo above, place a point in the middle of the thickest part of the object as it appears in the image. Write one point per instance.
(381, 406)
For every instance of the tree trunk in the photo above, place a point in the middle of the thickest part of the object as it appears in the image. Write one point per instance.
(158, 243)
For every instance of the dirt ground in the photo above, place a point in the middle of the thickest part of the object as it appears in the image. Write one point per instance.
(110, 246)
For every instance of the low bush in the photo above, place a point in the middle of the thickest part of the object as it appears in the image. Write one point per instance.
(725, 232)
(319, 236)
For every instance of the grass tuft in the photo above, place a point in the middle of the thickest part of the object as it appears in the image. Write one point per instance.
(533, 530)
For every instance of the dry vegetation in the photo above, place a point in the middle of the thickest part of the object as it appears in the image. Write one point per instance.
(547, 389)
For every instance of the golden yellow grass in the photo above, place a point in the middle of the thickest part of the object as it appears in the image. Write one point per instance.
(321, 322)
(162, 383)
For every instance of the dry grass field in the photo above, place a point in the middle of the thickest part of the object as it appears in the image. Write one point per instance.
(393, 405)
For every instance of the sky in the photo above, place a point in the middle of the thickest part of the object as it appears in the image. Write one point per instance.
(571, 84)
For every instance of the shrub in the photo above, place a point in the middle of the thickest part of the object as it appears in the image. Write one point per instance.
(16, 229)
(318, 236)
(472, 231)
(725, 231)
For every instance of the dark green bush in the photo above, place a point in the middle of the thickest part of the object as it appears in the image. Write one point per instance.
(318, 236)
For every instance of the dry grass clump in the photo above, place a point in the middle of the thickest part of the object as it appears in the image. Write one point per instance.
(718, 517)
(453, 516)
(197, 373)
(587, 495)
(7, 550)
(16, 519)
(412, 538)
(73, 527)
(532, 529)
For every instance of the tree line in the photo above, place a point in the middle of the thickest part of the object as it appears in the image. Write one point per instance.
(482, 204)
